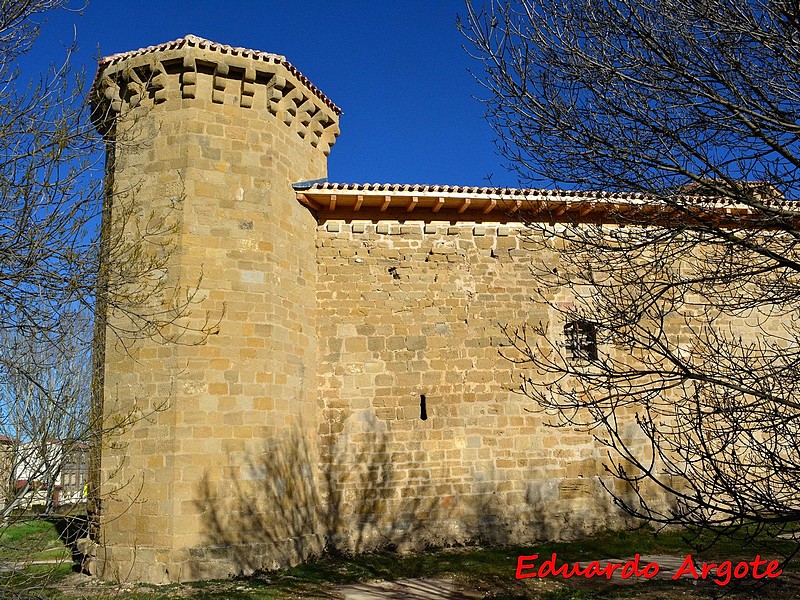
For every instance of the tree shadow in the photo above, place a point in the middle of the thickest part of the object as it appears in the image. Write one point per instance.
(302, 497)
(298, 499)
(549, 509)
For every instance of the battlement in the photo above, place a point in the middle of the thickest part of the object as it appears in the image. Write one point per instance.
(193, 68)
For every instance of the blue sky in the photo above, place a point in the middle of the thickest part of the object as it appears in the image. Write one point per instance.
(397, 68)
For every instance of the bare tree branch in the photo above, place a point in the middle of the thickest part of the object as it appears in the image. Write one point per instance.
(694, 105)
(79, 261)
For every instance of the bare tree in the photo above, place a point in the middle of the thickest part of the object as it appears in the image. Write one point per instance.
(675, 336)
(44, 413)
(48, 202)
(78, 259)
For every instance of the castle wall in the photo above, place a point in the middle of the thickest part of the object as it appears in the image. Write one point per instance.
(265, 364)
(411, 309)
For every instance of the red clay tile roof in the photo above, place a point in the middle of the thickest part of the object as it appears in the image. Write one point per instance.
(522, 193)
(448, 202)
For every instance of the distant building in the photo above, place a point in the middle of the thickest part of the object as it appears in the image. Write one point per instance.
(43, 476)
(6, 468)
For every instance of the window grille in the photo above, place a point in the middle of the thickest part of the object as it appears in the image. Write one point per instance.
(581, 338)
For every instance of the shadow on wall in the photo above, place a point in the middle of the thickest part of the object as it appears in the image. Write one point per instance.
(289, 505)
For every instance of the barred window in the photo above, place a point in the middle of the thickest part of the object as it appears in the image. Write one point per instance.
(581, 338)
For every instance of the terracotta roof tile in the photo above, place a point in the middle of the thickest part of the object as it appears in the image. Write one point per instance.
(523, 192)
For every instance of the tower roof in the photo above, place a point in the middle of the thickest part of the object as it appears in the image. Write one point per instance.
(193, 41)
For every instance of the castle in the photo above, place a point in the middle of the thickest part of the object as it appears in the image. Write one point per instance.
(352, 389)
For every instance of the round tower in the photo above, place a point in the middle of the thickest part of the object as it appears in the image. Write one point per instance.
(204, 144)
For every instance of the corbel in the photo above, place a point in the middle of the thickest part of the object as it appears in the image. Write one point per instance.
(189, 77)
(159, 83)
(289, 105)
(305, 114)
(134, 86)
(275, 93)
(218, 83)
(329, 135)
(248, 88)
(316, 127)
(111, 92)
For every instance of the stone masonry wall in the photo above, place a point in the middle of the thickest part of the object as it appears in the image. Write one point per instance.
(348, 387)
(412, 309)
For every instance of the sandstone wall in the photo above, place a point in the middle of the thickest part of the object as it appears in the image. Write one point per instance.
(333, 381)
(408, 310)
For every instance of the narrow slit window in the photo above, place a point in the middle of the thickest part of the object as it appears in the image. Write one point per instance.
(423, 408)
(581, 338)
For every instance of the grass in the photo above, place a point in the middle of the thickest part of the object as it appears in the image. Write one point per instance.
(35, 579)
(24, 542)
(31, 539)
(490, 571)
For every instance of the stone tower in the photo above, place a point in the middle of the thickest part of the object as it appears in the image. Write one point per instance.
(205, 141)
(287, 364)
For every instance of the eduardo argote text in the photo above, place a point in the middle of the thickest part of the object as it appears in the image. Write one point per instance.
(721, 573)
